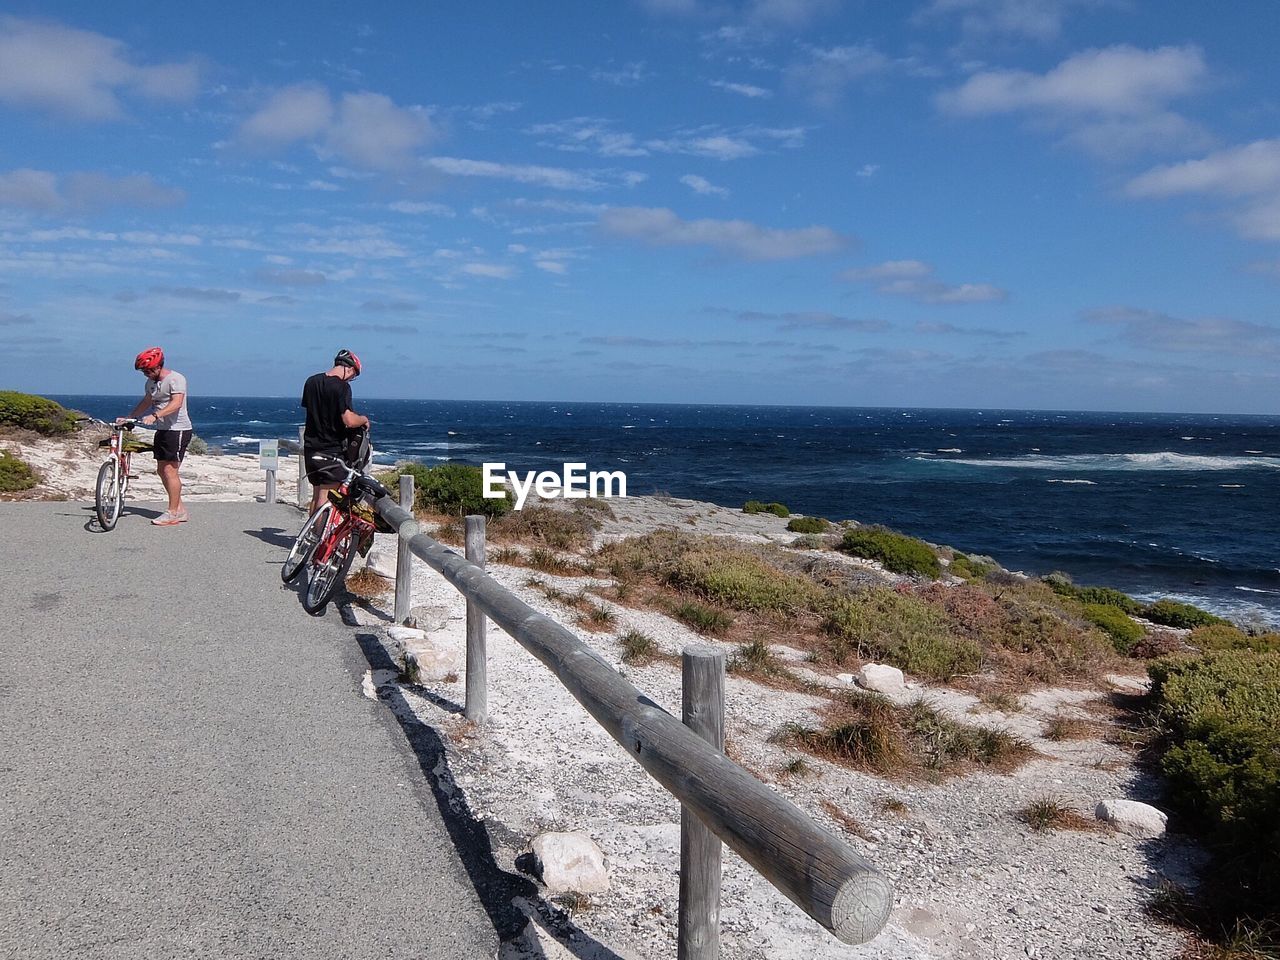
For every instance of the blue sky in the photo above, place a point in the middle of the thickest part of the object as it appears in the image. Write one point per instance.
(975, 203)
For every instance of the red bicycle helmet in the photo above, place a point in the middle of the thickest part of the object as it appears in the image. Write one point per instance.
(149, 359)
(346, 358)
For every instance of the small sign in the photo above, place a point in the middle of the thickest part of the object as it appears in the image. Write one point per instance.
(269, 454)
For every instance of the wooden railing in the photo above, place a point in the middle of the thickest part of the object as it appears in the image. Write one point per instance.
(820, 873)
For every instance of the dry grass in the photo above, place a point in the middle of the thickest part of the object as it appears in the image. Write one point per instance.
(368, 585)
(596, 618)
(556, 527)
(868, 732)
(848, 821)
(638, 648)
(1046, 813)
(1062, 727)
(892, 805)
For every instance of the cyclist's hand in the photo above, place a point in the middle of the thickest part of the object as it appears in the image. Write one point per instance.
(150, 416)
(121, 419)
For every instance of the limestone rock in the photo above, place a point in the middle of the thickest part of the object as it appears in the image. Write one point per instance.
(404, 635)
(382, 559)
(570, 861)
(881, 678)
(1132, 817)
(845, 677)
(424, 660)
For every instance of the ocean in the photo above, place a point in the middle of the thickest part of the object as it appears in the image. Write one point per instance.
(1158, 505)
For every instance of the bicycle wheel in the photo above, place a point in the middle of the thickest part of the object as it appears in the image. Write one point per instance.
(306, 542)
(329, 574)
(109, 494)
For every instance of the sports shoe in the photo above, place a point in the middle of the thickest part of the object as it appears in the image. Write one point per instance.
(168, 519)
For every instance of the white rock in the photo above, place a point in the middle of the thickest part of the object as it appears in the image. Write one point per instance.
(1131, 817)
(427, 661)
(382, 560)
(1127, 684)
(570, 861)
(881, 678)
(845, 677)
(406, 634)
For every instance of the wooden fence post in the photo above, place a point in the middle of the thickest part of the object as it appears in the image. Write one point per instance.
(477, 705)
(271, 487)
(404, 556)
(304, 487)
(702, 703)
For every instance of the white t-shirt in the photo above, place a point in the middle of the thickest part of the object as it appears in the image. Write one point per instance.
(161, 392)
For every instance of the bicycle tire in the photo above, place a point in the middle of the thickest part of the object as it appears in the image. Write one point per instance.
(108, 495)
(327, 576)
(305, 543)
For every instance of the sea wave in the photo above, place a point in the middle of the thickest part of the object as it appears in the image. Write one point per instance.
(1165, 460)
(1091, 483)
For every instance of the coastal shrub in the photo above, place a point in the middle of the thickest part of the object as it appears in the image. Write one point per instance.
(868, 732)
(1115, 623)
(451, 488)
(808, 525)
(963, 565)
(15, 475)
(638, 648)
(198, 445)
(1223, 768)
(35, 413)
(1061, 584)
(756, 506)
(650, 553)
(1171, 613)
(898, 628)
(702, 618)
(808, 541)
(740, 580)
(550, 526)
(1226, 637)
(898, 552)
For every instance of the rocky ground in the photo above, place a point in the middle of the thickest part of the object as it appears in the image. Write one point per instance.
(971, 879)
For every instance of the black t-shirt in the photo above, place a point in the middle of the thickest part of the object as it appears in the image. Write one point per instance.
(326, 399)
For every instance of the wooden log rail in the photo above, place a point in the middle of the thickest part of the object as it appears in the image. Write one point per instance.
(821, 874)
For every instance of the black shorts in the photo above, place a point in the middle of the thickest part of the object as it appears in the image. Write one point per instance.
(172, 444)
(325, 473)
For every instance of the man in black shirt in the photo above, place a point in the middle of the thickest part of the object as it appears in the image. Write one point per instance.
(327, 399)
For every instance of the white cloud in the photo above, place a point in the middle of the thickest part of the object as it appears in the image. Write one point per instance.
(867, 170)
(494, 271)
(588, 134)
(366, 129)
(557, 178)
(914, 279)
(371, 131)
(1032, 19)
(829, 72)
(743, 89)
(1150, 329)
(739, 238)
(551, 266)
(1108, 100)
(1234, 172)
(703, 186)
(41, 191)
(419, 206)
(79, 74)
(716, 146)
(1251, 171)
(628, 75)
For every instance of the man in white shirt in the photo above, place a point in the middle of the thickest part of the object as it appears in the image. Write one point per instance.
(166, 399)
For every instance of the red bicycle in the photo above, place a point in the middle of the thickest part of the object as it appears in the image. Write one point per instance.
(114, 475)
(333, 535)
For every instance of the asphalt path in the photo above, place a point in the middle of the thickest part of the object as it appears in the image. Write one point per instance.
(188, 767)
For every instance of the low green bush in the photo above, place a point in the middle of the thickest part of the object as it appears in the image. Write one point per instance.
(197, 445)
(756, 506)
(35, 413)
(808, 525)
(898, 552)
(15, 475)
(1115, 623)
(1223, 767)
(1226, 637)
(451, 488)
(702, 618)
(740, 580)
(1171, 613)
(967, 567)
(1108, 597)
(900, 629)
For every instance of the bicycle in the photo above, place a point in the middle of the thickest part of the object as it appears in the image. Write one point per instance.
(114, 475)
(333, 535)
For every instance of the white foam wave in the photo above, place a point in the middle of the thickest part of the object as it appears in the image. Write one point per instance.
(1165, 460)
(244, 440)
(950, 450)
(1089, 483)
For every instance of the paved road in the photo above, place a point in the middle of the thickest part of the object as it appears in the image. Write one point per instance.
(187, 765)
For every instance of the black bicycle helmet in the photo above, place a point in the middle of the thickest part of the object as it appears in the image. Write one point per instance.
(346, 358)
